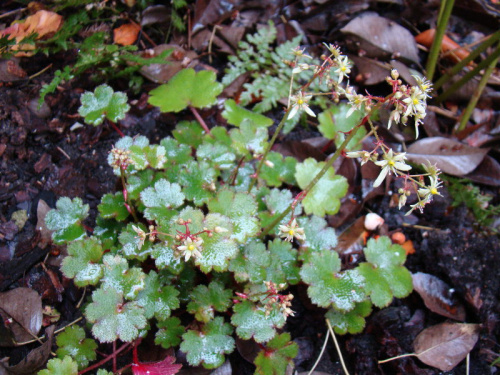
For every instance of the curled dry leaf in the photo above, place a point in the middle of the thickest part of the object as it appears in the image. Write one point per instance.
(126, 34)
(450, 156)
(380, 37)
(438, 296)
(449, 48)
(22, 308)
(445, 345)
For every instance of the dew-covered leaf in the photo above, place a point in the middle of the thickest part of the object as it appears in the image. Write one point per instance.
(169, 332)
(198, 181)
(324, 197)
(251, 263)
(334, 124)
(251, 321)
(384, 271)
(249, 139)
(318, 235)
(157, 299)
(352, 321)
(83, 262)
(278, 170)
(277, 201)
(278, 354)
(117, 275)
(235, 115)
(73, 342)
(328, 286)
(448, 155)
(56, 366)
(141, 154)
(165, 258)
(133, 247)
(208, 346)
(188, 133)
(65, 220)
(445, 345)
(219, 155)
(438, 296)
(176, 153)
(186, 88)
(206, 300)
(103, 103)
(160, 200)
(113, 206)
(241, 208)
(112, 318)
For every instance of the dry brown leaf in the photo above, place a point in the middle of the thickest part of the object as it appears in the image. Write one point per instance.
(445, 345)
(438, 296)
(126, 34)
(448, 155)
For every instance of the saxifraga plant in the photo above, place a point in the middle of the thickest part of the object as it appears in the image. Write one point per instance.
(216, 214)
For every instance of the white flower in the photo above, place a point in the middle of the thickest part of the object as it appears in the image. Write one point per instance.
(424, 85)
(300, 103)
(300, 68)
(141, 235)
(191, 248)
(414, 103)
(344, 67)
(355, 100)
(391, 163)
(300, 53)
(430, 190)
(364, 155)
(288, 232)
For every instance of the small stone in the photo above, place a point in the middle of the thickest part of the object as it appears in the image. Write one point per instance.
(373, 221)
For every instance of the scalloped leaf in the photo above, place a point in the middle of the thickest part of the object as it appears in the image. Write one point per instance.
(157, 299)
(83, 262)
(103, 103)
(384, 271)
(250, 139)
(176, 153)
(160, 200)
(132, 246)
(72, 342)
(165, 258)
(251, 321)
(186, 88)
(334, 124)
(241, 208)
(324, 197)
(251, 263)
(56, 366)
(206, 300)
(318, 235)
(141, 154)
(139, 181)
(188, 133)
(352, 321)
(276, 202)
(198, 181)
(280, 170)
(208, 346)
(278, 354)
(112, 318)
(235, 115)
(118, 275)
(169, 332)
(284, 267)
(220, 156)
(112, 206)
(328, 286)
(65, 220)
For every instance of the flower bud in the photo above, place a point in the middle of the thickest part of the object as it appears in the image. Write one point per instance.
(394, 74)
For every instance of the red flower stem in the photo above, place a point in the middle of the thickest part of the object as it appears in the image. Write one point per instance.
(200, 120)
(113, 125)
(104, 360)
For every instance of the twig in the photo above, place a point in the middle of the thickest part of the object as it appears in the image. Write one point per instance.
(321, 353)
(210, 42)
(40, 72)
(7, 14)
(337, 346)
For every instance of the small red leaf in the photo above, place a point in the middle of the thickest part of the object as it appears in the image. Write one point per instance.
(165, 367)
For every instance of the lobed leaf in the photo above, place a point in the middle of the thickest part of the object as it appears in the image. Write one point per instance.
(56, 366)
(334, 124)
(112, 206)
(103, 103)
(157, 299)
(278, 170)
(206, 300)
(236, 115)
(65, 220)
(83, 262)
(169, 332)
(352, 321)
(160, 200)
(72, 342)
(117, 275)
(250, 139)
(278, 354)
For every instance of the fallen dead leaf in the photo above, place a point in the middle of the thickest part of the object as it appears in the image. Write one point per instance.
(22, 308)
(448, 155)
(438, 296)
(445, 345)
(45, 233)
(126, 34)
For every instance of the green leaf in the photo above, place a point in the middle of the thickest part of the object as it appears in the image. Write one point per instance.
(278, 170)
(132, 246)
(161, 199)
(72, 342)
(235, 115)
(141, 154)
(169, 332)
(83, 262)
(206, 300)
(136, 183)
(318, 235)
(56, 366)
(278, 354)
(250, 139)
(276, 202)
(112, 318)
(176, 153)
(384, 273)
(283, 267)
(251, 263)
(208, 346)
(113, 206)
(103, 103)
(66, 220)
(188, 133)
(198, 182)
(324, 197)
(157, 299)
(186, 88)
(327, 285)
(118, 275)
(352, 321)
(165, 258)
(251, 321)
(334, 124)
(104, 372)
(241, 208)
(220, 156)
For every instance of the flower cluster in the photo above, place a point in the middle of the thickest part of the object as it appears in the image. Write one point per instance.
(273, 297)
(119, 158)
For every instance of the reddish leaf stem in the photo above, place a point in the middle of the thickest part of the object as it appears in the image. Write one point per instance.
(104, 360)
(200, 120)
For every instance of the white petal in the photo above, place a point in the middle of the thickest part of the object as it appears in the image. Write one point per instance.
(293, 112)
(309, 111)
(381, 177)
